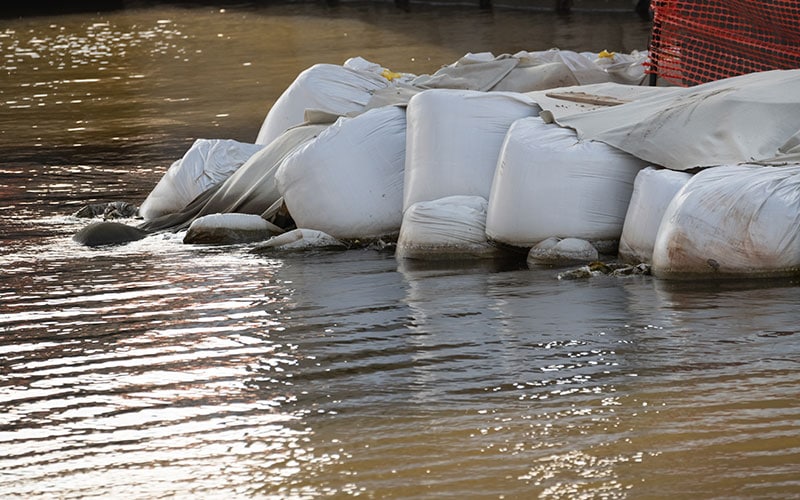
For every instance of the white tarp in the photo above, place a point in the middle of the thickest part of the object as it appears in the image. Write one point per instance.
(737, 220)
(653, 191)
(520, 72)
(454, 139)
(448, 228)
(749, 118)
(348, 182)
(207, 163)
(548, 183)
(329, 88)
(251, 189)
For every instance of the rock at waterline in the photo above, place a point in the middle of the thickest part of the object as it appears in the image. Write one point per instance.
(229, 229)
(108, 233)
(110, 210)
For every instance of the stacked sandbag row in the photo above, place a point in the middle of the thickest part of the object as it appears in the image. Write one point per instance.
(727, 221)
(458, 173)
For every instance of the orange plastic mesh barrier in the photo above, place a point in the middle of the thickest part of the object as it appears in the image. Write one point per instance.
(697, 41)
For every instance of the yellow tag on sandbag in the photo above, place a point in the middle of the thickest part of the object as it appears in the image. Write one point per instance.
(606, 54)
(390, 75)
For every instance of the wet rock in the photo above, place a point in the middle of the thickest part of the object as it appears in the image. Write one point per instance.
(598, 268)
(110, 210)
(108, 233)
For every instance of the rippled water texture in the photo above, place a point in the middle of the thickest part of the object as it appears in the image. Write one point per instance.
(159, 369)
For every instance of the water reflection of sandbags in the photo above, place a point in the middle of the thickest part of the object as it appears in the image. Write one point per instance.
(735, 220)
(548, 183)
(348, 182)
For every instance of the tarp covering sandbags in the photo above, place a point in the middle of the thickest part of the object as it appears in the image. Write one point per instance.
(249, 190)
(736, 221)
(749, 118)
(548, 183)
(453, 141)
(451, 228)
(527, 71)
(348, 182)
(653, 190)
(207, 162)
(328, 88)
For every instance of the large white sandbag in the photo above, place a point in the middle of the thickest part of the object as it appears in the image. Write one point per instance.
(548, 183)
(735, 220)
(330, 88)
(447, 228)
(207, 163)
(653, 190)
(454, 138)
(348, 182)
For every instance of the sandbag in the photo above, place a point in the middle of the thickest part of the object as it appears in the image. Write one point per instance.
(299, 239)
(557, 252)
(330, 88)
(548, 183)
(653, 190)
(348, 182)
(207, 163)
(732, 221)
(229, 229)
(448, 228)
(453, 140)
(250, 190)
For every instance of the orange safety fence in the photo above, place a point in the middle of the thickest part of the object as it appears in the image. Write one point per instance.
(697, 41)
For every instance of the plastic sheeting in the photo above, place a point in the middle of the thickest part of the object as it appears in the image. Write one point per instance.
(653, 191)
(448, 228)
(207, 163)
(550, 184)
(329, 88)
(525, 71)
(739, 220)
(251, 189)
(749, 118)
(454, 139)
(349, 181)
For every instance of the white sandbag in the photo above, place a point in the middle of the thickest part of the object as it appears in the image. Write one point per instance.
(207, 163)
(732, 221)
(653, 190)
(348, 182)
(556, 251)
(447, 228)
(548, 183)
(229, 229)
(454, 138)
(330, 88)
(300, 239)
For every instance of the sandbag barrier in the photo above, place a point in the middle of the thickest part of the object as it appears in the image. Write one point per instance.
(474, 162)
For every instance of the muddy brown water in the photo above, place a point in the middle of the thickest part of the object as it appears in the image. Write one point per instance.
(160, 370)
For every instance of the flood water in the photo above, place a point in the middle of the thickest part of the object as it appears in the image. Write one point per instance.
(163, 370)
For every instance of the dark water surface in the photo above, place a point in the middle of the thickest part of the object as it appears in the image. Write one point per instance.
(159, 369)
